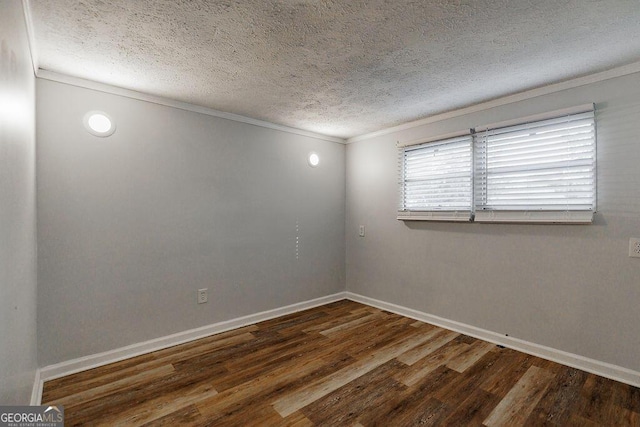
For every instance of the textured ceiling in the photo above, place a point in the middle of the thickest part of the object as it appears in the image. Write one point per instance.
(340, 68)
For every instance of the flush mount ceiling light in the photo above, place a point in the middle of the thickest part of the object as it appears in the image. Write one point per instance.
(99, 123)
(314, 159)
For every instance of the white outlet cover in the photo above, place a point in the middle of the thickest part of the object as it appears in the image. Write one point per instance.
(634, 247)
(202, 295)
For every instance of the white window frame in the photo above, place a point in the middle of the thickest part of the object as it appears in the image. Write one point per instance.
(437, 213)
(579, 135)
(480, 208)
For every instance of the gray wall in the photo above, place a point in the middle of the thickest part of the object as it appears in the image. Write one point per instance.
(568, 287)
(130, 226)
(17, 209)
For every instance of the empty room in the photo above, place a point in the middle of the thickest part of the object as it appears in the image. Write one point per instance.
(319, 212)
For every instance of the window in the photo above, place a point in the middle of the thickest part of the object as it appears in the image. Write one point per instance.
(542, 170)
(436, 179)
(538, 169)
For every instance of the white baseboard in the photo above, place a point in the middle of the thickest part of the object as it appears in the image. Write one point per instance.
(62, 369)
(36, 391)
(95, 360)
(603, 369)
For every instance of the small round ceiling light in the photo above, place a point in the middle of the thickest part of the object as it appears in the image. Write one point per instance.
(314, 159)
(99, 123)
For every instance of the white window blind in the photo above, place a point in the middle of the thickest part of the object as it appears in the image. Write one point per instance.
(539, 171)
(435, 179)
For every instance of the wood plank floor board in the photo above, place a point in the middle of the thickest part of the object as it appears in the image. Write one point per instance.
(116, 371)
(467, 339)
(134, 381)
(327, 324)
(472, 410)
(377, 333)
(345, 405)
(458, 389)
(238, 350)
(594, 399)
(163, 405)
(437, 338)
(345, 328)
(516, 364)
(516, 406)
(297, 419)
(186, 416)
(469, 356)
(578, 421)
(341, 364)
(556, 406)
(260, 369)
(233, 404)
(415, 412)
(409, 405)
(626, 396)
(272, 350)
(285, 379)
(294, 401)
(597, 403)
(294, 319)
(334, 317)
(121, 401)
(427, 364)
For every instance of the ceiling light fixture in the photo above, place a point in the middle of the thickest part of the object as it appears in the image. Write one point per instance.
(99, 123)
(314, 159)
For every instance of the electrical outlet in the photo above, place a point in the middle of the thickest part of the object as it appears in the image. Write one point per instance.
(361, 231)
(202, 296)
(634, 247)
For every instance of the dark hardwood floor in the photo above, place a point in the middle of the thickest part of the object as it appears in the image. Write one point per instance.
(342, 364)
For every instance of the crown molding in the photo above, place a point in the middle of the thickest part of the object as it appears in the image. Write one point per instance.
(509, 99)
(154, 99)
(101, 87)
(28, 20)
(520, 96)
